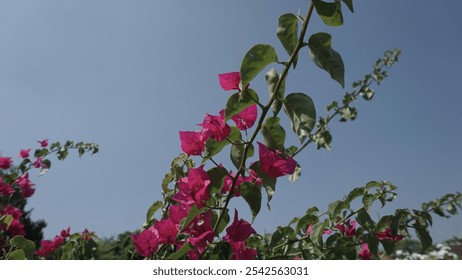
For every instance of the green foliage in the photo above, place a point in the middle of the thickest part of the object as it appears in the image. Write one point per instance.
(325, 57)
(252, 195)
(300, 109)
(331, 12)
(255, 60)
(287, 33)
(239, 101)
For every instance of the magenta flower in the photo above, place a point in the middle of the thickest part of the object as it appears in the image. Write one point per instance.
(146, 243)
(43, 143)
(310, 227)
(273, 163)
(215, 127)
(47, 247)
(348, 228)
(194, 188)
(167, 231)
(5, 162)
(65, 232)
(200, 233)
(239, 230)
(240, 252)
(387, 235)
(178, 212)
(5, 189)
(365, 253)
(192, 142)
(230, 81)
(24, 153)
(25, 185)
(246, 118)
(38, 163)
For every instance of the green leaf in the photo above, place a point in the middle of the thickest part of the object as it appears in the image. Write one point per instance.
(237, 152)
(194, 211)
(17, 255)
(300, 109)
(181, 252)
(223, 222)
(363, 218)
(255, 60)
(349, 4)
(325, 57)
(213, 147)
(307, 220)
(274, 135)
(240, 101)
(356, 192)
(216, 174)
(296, 175)
(330, 13)
(287, 33)
(423, 236)
(7, 220)
(281, 234)
(316, 232)
(368, 199)
(272, 78)
(153, 209)
(269, 183)
(336, 207)
(252, 195)
(26, 245)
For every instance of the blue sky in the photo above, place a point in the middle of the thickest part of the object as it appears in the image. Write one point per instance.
(129, 75)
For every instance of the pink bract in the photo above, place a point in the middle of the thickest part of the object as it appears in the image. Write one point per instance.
(273, 163)
(230, 81)
(5, 162)
(239, 230)
(24, 153)
(146, 243)
(246, 118)
(348, 228)
(43, 143)
(192, 142)
(215, 127)
(194, 188)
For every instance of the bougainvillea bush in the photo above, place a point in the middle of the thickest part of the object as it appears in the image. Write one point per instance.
(194, 220)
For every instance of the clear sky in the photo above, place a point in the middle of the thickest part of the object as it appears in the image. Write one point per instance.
(129, 75)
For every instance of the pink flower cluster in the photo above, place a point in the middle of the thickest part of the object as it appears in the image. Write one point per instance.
(16, 227)
(47, 247)
(214, 126)
(21, 184)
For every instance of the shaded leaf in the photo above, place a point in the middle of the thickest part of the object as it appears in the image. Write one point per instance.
(325, 57)
(287, 33)
(17, 255)
(272, 78)
(194, 211)
(240, 101)
(330, 12)
(269, 183)
(349, 4)
(26, 245)
(255, 60)
(252, 195)
(300, 109)
(274, 135)
(423, 236)
(181, 252)
(153, 209)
